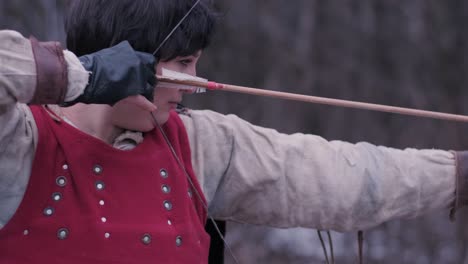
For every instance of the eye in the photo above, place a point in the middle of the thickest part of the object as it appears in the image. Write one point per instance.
(186, 61)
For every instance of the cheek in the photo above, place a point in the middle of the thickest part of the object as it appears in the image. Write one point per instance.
(163, 95)
(158, 95)
(163, 92)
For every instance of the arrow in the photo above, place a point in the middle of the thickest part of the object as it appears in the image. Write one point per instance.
(196, 84)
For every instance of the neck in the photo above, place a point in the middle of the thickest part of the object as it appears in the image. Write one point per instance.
(93, 120)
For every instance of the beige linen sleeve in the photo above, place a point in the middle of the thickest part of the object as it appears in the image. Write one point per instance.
(259, 176)
(18, 135)
(18, 76)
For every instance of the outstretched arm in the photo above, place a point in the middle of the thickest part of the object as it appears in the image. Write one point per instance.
(259, 176)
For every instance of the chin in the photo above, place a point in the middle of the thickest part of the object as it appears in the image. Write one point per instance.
(144, 129)
(136, 127)
(161, 118)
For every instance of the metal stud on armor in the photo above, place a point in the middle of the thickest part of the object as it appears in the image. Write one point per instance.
(62, 233)
(146, 239)
(61, 181)
(163, 173)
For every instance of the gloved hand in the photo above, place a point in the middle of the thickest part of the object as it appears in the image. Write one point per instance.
(116, 73)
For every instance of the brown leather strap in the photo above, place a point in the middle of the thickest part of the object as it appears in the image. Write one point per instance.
(461, 187)
(51, 69)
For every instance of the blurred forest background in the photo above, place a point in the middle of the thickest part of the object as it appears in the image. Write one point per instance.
(411, 53)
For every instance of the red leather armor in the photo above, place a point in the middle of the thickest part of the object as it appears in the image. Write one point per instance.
(88, 202)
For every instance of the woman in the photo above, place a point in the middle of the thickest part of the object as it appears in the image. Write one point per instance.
(99, 192)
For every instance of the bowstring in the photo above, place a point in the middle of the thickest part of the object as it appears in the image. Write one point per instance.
(173, 151)
(176, 27)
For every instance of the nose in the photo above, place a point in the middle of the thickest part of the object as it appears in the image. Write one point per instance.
(192, 70)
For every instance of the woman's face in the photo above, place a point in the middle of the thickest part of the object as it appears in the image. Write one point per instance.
(129, 115)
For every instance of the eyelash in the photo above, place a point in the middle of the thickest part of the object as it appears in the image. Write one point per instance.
(186, 61)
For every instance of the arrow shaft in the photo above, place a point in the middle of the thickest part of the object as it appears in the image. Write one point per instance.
(318, 100)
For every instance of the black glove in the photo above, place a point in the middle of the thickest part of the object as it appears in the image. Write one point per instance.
(116, 73)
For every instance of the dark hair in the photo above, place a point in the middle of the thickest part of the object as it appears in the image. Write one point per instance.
(92, 25)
